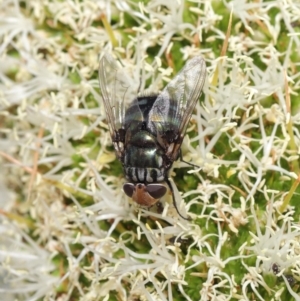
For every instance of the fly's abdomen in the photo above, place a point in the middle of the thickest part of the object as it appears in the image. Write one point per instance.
(143, 161)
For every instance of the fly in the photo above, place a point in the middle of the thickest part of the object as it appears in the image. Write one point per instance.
(147, 131)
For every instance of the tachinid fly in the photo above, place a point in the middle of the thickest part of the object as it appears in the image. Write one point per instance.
(147, 131)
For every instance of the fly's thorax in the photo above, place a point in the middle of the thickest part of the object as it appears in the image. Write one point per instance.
(145, 175)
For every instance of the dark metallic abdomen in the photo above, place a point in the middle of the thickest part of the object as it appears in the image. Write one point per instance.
(143, 157)
(143, 160)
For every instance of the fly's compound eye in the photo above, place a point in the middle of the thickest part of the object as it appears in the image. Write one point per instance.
(145, 195)
(129, 189)
(157, 191)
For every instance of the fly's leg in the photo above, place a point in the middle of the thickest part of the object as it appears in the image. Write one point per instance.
(188, 163)
(173, 198)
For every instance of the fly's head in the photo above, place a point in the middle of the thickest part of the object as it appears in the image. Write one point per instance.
(145, 194)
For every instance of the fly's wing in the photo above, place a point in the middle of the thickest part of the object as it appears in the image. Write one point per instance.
(117, 92)
(172, 110)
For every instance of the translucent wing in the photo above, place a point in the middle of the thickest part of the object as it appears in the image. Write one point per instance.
(117, 92)
(173, 108)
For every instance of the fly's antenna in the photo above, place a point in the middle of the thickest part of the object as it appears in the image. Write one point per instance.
(173, 198)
